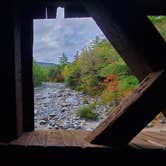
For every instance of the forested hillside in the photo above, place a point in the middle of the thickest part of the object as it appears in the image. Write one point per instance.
(97, 70)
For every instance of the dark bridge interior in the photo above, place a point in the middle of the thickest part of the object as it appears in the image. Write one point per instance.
(138, 42)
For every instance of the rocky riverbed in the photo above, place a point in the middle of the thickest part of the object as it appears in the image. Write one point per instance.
(56, 107)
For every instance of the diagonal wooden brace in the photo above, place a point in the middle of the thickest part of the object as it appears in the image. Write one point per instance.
(131, 33)
(133, 114)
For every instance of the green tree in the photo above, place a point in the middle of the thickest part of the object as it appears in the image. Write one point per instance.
(76, 56)
(100, 71)
(40, 74)
(63, 60)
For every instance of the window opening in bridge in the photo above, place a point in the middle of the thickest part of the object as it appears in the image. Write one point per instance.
(160, 24)
(79, 78)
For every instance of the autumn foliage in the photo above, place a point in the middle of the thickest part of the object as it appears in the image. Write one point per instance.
(97, 70)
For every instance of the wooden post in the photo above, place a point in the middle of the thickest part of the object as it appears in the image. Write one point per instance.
(11, 105)
(153, 7)
(18, 73)
(131, 33)
(27, 78)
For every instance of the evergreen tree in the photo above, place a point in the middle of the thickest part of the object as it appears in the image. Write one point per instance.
(76, 57)
(63, 60)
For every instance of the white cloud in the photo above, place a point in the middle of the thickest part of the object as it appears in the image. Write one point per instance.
(52, 37)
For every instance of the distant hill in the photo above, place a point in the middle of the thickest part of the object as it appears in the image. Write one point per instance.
(44, 64)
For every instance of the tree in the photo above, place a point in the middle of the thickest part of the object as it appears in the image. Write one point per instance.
(76, 56)
(40, 74)
(95, 42)
(99, 71)
(63, 60)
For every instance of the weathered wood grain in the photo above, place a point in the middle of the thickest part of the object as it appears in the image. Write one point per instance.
(131, 33)
(75, 139)
(23, 140)
(133, 114)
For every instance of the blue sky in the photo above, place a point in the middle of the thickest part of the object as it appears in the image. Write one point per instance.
(52, 37)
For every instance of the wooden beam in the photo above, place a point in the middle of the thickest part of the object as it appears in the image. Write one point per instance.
(153, 7)
(36, 9)
(131, 33)
(51, 11)
(27, 78)
(11, 109)
(75, 11)
(8, 108)
(133, 114)
(18, 73)
(164, 112)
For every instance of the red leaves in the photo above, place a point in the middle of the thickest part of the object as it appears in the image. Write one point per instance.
(111, 83)
(111, 78)
(59, 77)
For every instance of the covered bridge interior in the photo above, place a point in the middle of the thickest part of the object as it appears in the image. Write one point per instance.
(126, 25)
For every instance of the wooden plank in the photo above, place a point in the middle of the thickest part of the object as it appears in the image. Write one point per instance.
(160, 137)
(163, 132)
(146, 140)
(116, 130)
(79, 138)
(154, 140)
(131, 34)
(38, 138)
(55, 138)
(68, 138)
(157, 135)
(80, 141)
(76, 139)
(22, 140)
(143, 143)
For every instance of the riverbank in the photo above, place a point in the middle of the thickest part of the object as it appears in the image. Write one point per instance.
(57, 106)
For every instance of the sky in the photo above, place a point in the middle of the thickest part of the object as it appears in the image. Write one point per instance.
(53, 37)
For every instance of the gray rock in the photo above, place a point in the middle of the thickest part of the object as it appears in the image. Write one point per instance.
(89, 129)
(52, 114)
(35, 111)
(43, 122)
(56, 107)
(149, 124)
(72, 100)
(162, 120)
(45, 118)
(64, 109)
(59, 95)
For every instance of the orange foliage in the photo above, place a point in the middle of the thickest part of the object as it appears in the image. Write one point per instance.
(111, 82)
(113, 77)
(59, 77)
(113, 86)
(49, 79)
(110, 60)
